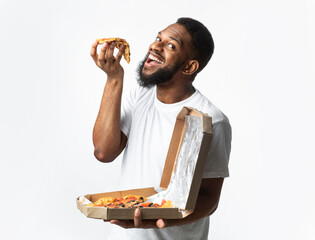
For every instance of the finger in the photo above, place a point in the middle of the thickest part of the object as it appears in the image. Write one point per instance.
(110, 52)
(161, 223)
(101, 57)
(137, 218)
(94, 51)
(121, 52)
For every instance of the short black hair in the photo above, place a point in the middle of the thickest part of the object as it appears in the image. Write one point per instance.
(201, 39)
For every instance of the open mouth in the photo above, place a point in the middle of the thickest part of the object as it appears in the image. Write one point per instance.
(154, 60)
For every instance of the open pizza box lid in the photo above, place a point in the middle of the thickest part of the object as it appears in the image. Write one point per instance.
(181, 178)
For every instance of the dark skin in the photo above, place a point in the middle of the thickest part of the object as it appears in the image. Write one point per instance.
(172, 46)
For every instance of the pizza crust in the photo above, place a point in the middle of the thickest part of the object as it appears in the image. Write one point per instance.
(118, 41)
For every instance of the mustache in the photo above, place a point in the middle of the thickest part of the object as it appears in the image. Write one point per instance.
(157, 53)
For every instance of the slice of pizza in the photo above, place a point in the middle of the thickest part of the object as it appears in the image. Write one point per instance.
(118, 41)
(123, 202)
(167, 204)
(164, 204)
(104, 201)
(130, 201)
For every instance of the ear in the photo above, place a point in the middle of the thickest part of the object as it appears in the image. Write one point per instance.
(191, 67)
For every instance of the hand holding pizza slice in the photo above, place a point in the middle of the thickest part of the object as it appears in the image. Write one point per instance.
(106, 60)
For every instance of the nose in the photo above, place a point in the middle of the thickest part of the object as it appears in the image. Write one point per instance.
(156, 46)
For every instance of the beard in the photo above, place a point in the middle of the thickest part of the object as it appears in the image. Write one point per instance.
(161, 75)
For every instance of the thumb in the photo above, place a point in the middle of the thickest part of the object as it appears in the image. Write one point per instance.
(137, 218)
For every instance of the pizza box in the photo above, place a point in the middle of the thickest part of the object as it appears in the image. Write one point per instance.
(181, 178)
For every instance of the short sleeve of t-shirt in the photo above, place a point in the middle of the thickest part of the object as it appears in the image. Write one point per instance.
(218, 157)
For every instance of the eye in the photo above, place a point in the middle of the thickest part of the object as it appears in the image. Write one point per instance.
(158, 39)
(171, 45)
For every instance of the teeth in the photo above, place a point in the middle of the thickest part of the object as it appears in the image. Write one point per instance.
(155, 59)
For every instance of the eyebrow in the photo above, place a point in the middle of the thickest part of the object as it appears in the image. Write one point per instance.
(175, 39)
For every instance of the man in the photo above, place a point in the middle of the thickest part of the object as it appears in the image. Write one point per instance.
(143, 125)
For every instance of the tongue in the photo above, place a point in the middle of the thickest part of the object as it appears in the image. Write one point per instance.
(152, 62)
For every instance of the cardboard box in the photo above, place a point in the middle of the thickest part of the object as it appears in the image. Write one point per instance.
(174, 154)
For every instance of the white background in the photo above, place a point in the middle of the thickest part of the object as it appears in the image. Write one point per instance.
(261, 75)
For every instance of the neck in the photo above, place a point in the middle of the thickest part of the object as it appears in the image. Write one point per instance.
(173, 94)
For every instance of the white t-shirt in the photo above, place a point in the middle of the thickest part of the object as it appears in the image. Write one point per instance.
(148, 125)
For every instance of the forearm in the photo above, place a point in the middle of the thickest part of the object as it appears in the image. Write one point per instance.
(207, 202)
(203, 209)
(107, 138)
(106, 132)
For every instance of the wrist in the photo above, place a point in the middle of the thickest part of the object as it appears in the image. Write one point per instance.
(114, 81)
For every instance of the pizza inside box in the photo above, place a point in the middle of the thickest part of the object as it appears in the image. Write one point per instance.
(181, 178)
